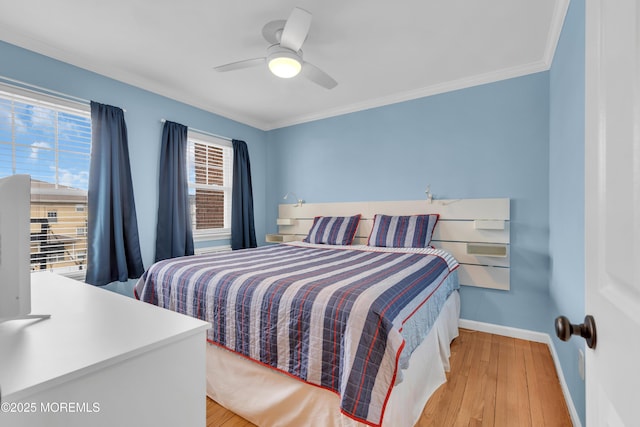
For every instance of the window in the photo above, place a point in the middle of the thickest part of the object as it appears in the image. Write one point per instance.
(81, 231)
(210, 178)
(52, 216)
(50, 139)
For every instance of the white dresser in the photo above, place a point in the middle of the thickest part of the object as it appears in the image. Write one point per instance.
(102, 359)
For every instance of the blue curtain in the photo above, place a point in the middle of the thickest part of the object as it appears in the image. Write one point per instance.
(243, 232)
(174, 237)
(113, 252)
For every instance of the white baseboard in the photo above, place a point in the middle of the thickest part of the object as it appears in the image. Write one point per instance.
(575, 419)
(534, 336)
(505, 331)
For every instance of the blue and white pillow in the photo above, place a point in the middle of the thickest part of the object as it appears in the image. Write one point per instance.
(333, 230)
(412, 231)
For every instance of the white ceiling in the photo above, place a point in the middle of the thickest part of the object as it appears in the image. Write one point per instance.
(379, 51)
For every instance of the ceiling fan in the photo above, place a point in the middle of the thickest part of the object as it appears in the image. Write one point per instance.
(284, 56)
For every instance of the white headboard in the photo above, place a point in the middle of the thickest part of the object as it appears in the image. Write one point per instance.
(475, 231)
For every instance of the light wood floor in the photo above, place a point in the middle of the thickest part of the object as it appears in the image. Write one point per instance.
(494, 381)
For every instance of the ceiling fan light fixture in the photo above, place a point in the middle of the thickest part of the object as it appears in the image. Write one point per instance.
(284, 55)
(284, 63)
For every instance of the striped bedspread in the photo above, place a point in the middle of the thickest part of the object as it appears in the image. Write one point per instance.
(332, 316)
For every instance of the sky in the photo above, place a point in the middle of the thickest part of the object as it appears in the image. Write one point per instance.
(29, 135)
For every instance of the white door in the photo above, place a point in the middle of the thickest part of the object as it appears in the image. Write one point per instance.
(612, 209)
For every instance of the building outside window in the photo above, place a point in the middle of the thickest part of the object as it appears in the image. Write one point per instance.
(210, 182)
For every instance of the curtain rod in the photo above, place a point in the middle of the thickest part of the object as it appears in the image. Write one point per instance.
(204, 132)
(35, 88)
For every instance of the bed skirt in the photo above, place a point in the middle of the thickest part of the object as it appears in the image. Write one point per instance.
(269, 398)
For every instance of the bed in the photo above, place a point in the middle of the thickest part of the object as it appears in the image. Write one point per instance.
(251, 297)
(316, 333)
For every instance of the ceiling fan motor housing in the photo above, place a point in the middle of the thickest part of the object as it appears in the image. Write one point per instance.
(284, 62)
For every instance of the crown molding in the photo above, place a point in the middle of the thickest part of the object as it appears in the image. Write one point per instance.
(553, 36)
(45, 49)
(555, 30)
(449, 86)
(132, 79)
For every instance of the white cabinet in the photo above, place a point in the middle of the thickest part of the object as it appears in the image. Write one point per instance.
(102, 359)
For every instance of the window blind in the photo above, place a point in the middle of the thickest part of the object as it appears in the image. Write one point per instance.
(210, 169)
(49, 139)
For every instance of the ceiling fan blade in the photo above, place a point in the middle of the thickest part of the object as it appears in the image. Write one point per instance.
(296, 29)
(318, 76)
(247, 63)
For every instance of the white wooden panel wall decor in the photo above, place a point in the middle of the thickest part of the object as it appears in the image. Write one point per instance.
(475, 231)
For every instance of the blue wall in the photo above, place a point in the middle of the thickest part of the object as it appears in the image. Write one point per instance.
(485, 141)
(566, 191)
(143, 113)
